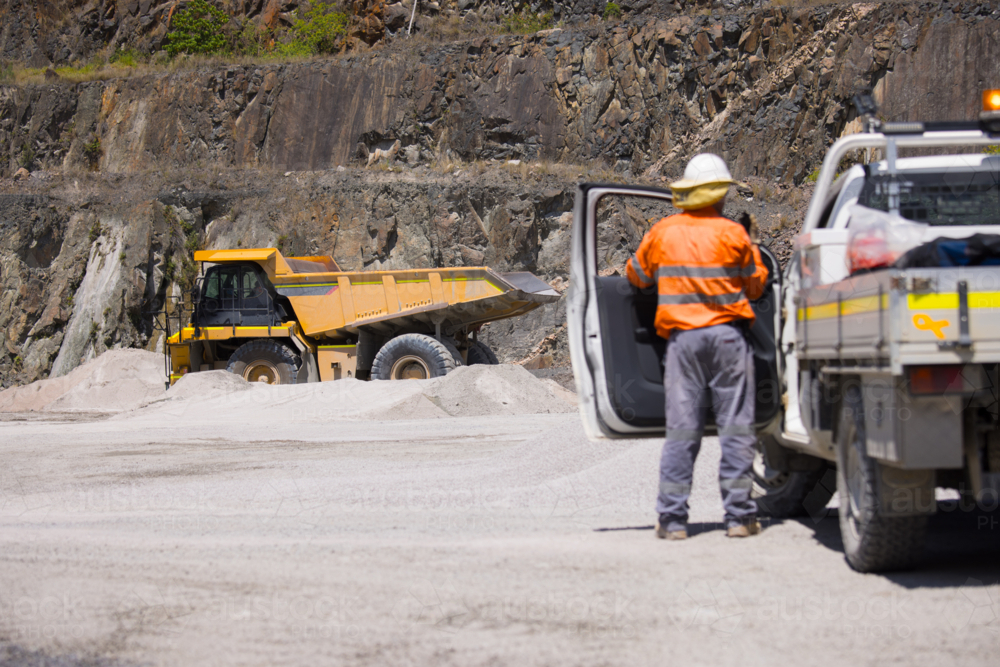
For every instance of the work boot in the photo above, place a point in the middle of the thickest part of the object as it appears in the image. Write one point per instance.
(745, 528)
(664, 534)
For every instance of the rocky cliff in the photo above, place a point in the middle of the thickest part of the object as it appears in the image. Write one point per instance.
(268, 153)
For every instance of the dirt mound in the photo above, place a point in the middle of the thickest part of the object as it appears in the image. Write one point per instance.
(468, 391)
(117, 381)
(472, 391)
(207, 383)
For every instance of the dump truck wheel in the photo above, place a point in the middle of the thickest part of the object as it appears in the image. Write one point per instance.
(264, 361)
(412, 357)
(480, 353)
(872, 542)
(782, 494)
(453, 348)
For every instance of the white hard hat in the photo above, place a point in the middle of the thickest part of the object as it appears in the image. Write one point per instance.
(703, 169)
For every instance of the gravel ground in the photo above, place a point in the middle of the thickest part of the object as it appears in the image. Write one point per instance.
(165, 536)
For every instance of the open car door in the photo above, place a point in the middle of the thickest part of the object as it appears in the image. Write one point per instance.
(617, 355)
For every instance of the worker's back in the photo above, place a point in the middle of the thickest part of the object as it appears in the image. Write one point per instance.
(705, 268)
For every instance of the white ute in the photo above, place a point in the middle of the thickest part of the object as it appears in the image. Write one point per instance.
(878, 379)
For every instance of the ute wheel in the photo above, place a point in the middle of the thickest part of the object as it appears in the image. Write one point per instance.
(265, 361)
(480, 353)
(412, 357)
(789, 494)
(872, 542)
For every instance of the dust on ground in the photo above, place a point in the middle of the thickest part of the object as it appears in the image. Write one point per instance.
(394, 523)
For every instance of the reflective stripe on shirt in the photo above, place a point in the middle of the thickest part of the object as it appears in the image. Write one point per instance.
(706, 271)
(716, 299)
(637, 267)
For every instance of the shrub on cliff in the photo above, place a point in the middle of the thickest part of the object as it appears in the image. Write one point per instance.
(526, 23)
(197, 29)
(92, 152)
(320, 31)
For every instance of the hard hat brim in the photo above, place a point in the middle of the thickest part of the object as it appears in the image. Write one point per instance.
(689, 183)
(699, 196)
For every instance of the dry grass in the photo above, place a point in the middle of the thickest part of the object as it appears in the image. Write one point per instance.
(100, 69)
(762, 192)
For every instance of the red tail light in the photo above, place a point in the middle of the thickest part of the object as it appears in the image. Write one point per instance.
(936, 379)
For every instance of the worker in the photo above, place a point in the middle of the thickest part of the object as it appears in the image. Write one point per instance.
(706, 269)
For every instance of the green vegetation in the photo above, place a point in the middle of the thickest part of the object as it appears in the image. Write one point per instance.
(92, 152)
(95, 231)
(6, 73)
(811, 178)
(612, 11)
(992, 150)
(251, 40)
(125, 58)
(526, 23)
(27, 157)
(321, 31)
(198, 29)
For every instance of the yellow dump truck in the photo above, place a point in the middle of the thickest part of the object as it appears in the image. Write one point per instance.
(286, 320)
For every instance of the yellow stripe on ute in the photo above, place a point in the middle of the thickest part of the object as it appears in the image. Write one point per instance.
(949, 301)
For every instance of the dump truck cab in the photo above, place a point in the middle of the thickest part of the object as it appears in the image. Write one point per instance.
(238, 293)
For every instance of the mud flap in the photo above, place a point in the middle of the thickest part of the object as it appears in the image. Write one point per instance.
(309, 363)
(905, 492)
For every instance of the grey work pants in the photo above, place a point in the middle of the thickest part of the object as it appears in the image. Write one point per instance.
(709, 367)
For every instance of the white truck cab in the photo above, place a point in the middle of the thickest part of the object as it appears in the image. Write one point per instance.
(878, 374)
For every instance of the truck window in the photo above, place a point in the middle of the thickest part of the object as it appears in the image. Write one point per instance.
(951, 198)
(212, 285)
(251, 285)
(222, 285)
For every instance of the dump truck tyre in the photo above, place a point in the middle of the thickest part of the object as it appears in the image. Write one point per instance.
(412, 356)
(265, 361)
(872, 542)
(791, 494)
(480, 353)
(453, 348)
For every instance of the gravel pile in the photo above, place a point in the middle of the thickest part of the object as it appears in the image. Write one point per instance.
(126, 380)
(469, 391)
(117, 381)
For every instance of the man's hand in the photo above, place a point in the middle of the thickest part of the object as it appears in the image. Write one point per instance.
(749, 222)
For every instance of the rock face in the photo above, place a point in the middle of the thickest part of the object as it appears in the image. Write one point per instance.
(768, 89)
(492, 133)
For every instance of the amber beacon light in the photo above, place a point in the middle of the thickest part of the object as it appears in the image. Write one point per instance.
(991, 100)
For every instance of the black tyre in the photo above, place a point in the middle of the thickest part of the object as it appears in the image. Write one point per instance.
(453, 348)
(480, 353)
(412, 357)
(872, 542)
(265, 361)
(789, 494)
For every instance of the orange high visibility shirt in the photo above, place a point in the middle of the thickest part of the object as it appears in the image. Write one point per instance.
(705, 267)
